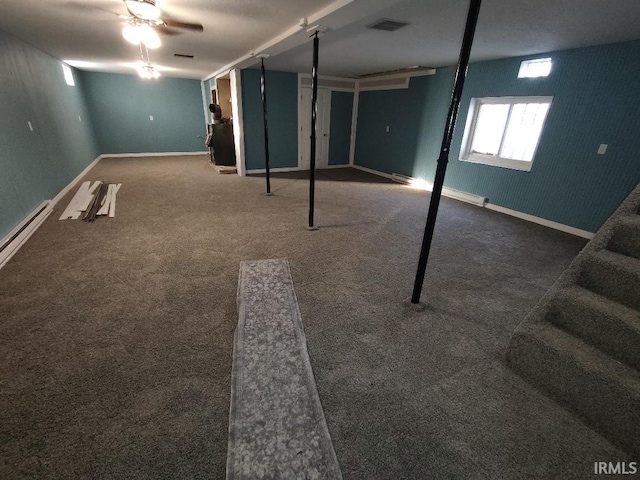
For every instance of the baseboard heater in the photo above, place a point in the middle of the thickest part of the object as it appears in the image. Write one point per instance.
(447, 192)
(10, 244)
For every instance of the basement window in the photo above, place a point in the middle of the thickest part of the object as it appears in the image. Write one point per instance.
(68, 75)
(540, 67)
(504, 131)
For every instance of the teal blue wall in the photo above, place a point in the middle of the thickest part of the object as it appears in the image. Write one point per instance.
(35, 166)
(413, 118)
(122, 104)
(596, 94)
(340, 127)
(282, 109)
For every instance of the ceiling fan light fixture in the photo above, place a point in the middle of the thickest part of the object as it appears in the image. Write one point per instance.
(145, 9)
(135, 34)
(131, 34)
(149, 36)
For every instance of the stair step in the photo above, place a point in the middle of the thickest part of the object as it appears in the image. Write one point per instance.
(612, 275)
(603, 323)
(601, 389)
(626, 236)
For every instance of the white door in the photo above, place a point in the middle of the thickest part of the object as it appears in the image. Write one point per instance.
(322, 128)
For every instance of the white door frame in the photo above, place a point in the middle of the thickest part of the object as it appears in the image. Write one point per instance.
(302, 116)
(238, 120)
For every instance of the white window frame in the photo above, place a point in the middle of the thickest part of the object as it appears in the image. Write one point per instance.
(472, 117)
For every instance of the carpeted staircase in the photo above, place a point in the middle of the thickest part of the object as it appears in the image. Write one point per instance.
(581, 343)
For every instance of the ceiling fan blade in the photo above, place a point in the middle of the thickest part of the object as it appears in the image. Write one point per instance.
(165, 30)
(103, 5)
(196, 27)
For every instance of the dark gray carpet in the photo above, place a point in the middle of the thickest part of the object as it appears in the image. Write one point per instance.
(584, 334)
(116, 336)
(276, 426)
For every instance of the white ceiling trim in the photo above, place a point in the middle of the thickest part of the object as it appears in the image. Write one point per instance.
(336, 15)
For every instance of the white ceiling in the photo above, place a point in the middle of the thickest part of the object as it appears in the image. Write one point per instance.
(87, 33)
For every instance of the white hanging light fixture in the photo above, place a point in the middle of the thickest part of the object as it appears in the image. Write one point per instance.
(148, 72)
(141, 33)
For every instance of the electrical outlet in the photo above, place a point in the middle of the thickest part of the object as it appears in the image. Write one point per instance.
(602, 149)
(151, 117)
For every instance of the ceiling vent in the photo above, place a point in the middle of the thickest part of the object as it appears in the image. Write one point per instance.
(387, 25)
(182, 55)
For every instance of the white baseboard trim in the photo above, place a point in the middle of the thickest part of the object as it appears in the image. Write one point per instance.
(17, 237)
(464, 196)
(294, 169)
(447, 192)
(497, 208)
(274, 170)
(375, 172)
(541, 221)
(73, 182)
(344, 165)
(151, 154)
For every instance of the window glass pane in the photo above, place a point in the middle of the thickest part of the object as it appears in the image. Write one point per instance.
(68, 75)
(535, 68)
(489, 128)
(523, 130)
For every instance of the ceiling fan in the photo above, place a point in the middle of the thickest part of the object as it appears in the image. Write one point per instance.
(145, 12)
(145, 18)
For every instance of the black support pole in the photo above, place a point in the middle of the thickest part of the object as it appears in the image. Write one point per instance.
(443, 159)
(263, 92)
(314, 106)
